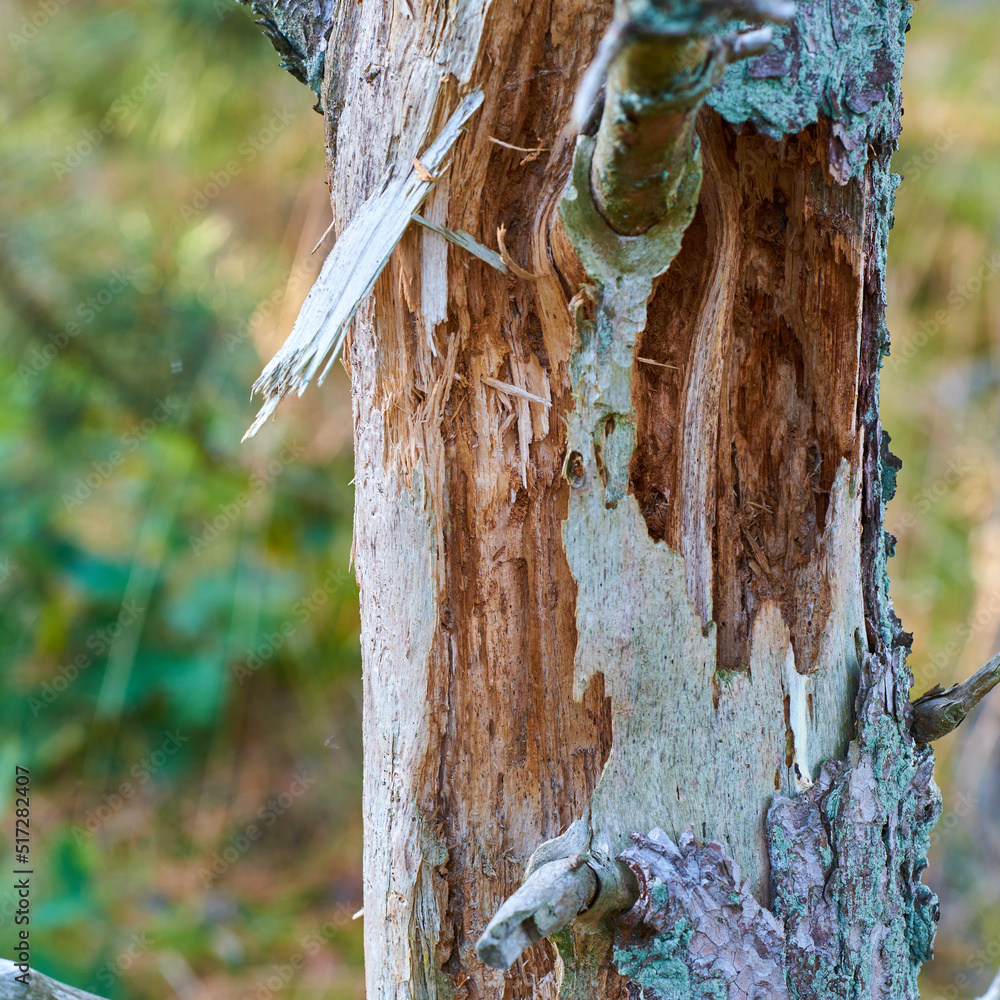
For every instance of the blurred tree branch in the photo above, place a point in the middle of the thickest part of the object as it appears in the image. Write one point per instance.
(39, 987)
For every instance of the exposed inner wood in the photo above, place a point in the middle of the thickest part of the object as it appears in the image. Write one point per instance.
(787, 393)
(476, 749)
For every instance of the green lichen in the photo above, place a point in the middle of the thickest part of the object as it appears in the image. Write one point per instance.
(660, 964)
(725, 676)
(622, 269)
(837, 58)
(299, 31)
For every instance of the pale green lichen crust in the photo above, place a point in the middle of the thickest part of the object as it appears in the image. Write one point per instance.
(841, 59)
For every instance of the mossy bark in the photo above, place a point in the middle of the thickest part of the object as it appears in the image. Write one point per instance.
(659, 603)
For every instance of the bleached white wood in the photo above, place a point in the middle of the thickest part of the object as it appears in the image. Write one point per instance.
(350, 273)
(513, 390)
(434, 265)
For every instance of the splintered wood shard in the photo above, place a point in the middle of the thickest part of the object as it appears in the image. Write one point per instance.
(466, 241)
(350, 273)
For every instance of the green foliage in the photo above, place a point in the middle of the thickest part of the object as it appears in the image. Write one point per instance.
(180, 630)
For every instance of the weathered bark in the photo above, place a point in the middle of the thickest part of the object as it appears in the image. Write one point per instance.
(660, 603)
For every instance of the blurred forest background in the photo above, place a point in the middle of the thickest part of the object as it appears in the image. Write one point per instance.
(179, 627)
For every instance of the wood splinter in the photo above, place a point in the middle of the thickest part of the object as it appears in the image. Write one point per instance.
(939, 712)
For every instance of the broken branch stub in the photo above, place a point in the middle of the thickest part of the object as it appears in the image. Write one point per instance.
(551, 897)
(658, 65)
(564, 880)
(939, 712)
(350, 273)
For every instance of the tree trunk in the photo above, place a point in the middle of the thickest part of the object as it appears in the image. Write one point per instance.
(618, 528)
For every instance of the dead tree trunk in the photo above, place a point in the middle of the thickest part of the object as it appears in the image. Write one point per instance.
(620, 491)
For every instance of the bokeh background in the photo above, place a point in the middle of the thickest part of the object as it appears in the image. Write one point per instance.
(178, 624)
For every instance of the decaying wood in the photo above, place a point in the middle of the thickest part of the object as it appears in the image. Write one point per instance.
(38, 987)
(638, 608)
(476, 751)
